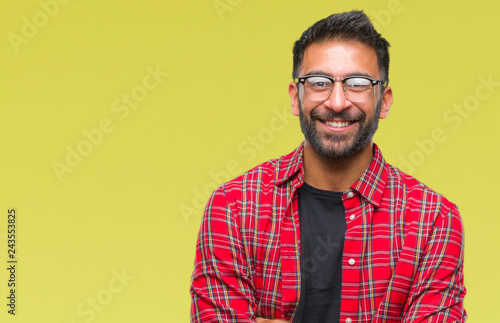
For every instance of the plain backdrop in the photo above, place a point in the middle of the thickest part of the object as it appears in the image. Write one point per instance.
(118, 118)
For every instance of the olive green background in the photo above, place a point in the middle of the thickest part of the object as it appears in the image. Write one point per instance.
(109, 167)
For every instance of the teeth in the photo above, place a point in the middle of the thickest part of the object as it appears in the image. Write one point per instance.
(335, 124)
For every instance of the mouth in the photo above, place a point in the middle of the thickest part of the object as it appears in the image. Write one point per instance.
(338, 124)
(341, 122)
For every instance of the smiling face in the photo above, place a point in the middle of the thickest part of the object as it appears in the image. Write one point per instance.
(337, 128)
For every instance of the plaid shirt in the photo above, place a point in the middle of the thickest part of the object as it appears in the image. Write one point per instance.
(403, 251)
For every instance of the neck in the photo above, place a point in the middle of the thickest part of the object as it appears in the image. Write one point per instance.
(335, 174)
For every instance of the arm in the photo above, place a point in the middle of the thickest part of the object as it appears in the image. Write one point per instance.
(438, 289)
(221, 289)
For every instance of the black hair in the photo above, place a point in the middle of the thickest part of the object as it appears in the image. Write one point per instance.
(353, 26)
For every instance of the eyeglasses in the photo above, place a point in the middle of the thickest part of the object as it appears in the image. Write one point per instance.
(357, 89)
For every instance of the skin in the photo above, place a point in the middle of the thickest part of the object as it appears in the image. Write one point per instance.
(337, 59)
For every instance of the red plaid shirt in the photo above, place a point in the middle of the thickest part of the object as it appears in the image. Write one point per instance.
(403, 251)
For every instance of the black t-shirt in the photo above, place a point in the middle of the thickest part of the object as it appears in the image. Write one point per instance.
(322, 230)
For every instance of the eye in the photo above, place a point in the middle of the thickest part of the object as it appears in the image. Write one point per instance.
(318, 82)
(357, 84)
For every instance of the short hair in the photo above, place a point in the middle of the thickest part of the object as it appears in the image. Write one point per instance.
(354, 26)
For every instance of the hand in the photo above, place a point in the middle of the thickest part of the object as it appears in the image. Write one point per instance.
(263, 320)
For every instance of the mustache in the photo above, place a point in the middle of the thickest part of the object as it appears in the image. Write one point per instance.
(342, 115)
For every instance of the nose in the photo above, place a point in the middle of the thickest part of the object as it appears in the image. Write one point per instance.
(337, 101)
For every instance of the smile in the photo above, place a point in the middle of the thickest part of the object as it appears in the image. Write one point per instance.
(337, 124)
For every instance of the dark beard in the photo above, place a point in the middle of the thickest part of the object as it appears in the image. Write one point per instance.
(362, 138)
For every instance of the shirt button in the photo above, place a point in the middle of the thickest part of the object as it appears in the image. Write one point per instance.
(351, 217)
(348, 320)
(351, 261)
(350, 194)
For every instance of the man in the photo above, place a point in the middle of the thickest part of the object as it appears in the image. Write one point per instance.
(331, 232)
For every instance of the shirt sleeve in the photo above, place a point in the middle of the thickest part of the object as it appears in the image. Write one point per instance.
(438, 289)
(221, 287)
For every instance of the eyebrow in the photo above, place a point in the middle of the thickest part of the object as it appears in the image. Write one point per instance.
(318, 72)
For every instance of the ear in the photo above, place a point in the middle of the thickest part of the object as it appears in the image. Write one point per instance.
(293, 92)
(386, 102)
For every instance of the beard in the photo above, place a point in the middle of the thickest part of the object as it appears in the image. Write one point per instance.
(339, 146)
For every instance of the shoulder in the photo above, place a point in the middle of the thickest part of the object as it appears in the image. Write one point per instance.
(262, 179)
(253, 180)
(267, 174)
(418, 197)
(264, 172)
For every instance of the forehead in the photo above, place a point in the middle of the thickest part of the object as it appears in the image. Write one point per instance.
(340, 59)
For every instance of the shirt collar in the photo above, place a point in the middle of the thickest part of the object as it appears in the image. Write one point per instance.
(370, 185)
(289, 165)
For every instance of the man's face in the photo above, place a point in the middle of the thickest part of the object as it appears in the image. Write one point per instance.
(337, 128)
